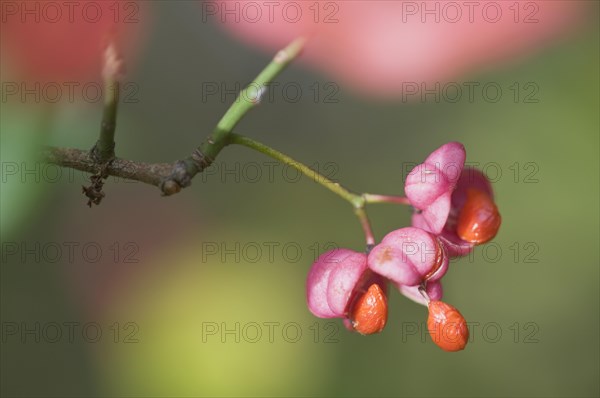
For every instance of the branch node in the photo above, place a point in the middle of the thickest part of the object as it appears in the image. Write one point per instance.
(200, 160)
(94, 192)
(170, 187)
(103, 152)
(179, 178)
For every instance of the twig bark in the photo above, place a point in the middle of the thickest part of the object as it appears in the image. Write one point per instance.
(169, 177)
(78, 159)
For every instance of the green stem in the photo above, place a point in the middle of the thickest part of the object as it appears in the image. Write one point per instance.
(361, 213)
(356, 200)
(104, 150)
(249, 98)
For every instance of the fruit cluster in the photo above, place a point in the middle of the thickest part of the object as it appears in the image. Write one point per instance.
(454, 211)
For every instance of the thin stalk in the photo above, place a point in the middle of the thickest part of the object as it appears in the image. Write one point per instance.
(104, 149)
(374, 198)
(249, 98)
(361, 213)
(205, 154)
(356, 200)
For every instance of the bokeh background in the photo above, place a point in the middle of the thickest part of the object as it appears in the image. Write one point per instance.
(167, 295)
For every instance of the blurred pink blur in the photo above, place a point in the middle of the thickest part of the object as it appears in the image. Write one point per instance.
(377, 46)
(64, 41)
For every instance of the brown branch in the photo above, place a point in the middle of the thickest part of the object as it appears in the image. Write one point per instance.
(149, 173)
(170, 178)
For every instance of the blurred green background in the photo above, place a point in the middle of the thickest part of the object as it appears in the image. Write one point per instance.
(165, 317)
